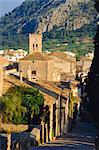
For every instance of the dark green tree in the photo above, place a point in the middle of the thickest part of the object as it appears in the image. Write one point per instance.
(20, 104)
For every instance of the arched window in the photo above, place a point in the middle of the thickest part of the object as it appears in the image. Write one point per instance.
(33, 46)
(37, 45)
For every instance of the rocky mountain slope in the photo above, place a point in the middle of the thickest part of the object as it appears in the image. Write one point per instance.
(44, 16)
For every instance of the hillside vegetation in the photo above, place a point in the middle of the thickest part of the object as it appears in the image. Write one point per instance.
(59, 20)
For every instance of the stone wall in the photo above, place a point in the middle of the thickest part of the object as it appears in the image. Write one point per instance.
(50, 69)
(12, 128)
(65, 66)
(16, 139)
(43, 69)
(56, 76)
(73, 69)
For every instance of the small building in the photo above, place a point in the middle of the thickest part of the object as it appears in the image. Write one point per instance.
(83, 67)
(38, 66)
(66, 63)
(86, 64)
(14, 55)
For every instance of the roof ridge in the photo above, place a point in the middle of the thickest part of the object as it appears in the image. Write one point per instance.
(37, 56)
(63, 56)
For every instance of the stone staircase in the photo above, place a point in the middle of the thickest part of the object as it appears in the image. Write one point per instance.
(80, 138)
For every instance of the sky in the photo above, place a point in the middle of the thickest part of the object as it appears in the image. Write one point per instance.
(8, 5)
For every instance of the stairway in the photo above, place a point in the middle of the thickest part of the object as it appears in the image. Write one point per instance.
(80, 138)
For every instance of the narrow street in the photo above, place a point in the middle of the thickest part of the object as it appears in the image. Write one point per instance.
(81, 138)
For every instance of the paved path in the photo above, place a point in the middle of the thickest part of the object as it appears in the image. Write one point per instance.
(81, 138)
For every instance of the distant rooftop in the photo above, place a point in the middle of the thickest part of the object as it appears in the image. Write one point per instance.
(63, 56)
(70, 53)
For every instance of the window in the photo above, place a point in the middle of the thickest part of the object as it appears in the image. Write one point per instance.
(33, 72)
(33, 46)
(36, 45)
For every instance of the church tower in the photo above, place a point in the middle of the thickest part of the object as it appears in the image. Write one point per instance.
(35, 43)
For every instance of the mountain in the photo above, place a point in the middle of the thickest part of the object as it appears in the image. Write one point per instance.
(44, 16)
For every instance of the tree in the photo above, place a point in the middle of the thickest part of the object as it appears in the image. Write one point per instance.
(32, 101)
(20, 104)
(11, 107)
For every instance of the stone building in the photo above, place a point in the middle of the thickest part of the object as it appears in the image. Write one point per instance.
(86, 61)
(84, 64)
(14, 55)
(37, 65)
(3, 63)
(65, 62)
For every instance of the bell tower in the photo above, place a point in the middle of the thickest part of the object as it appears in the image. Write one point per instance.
(35, 43)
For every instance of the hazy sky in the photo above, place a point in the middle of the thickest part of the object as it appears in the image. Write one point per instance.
(8, 5)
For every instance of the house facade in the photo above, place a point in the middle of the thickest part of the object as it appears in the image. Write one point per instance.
(38, 66)
(65, 62)
(86, 64)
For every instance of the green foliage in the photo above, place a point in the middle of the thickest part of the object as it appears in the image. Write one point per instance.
(20, 102)
(60, 37)
(16, 26)
(53, 38)
(14, 42)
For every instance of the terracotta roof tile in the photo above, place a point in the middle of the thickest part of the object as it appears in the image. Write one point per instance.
(63, 56)
(37, 56)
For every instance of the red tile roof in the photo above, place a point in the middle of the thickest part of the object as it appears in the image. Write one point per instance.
(63, 56)
(37, 56)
